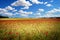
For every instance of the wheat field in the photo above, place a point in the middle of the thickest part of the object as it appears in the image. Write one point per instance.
(30, 29)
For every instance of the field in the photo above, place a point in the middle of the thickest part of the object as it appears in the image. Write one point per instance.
(30, 29)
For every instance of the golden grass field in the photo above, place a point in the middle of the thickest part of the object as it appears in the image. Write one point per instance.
(30, 29)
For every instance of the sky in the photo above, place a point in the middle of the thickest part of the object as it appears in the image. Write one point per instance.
(30, 8)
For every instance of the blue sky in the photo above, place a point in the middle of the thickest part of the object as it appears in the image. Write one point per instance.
(30, 8)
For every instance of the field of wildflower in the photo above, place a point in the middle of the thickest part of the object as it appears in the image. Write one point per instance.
(30, 29)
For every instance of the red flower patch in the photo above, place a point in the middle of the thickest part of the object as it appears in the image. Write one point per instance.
(46, 33)
(17, 33)
(5, 39)
(10, 33)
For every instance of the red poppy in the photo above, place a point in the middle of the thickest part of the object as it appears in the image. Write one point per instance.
(17, 33)
(46, 33)
(10, 33)
(5, 39)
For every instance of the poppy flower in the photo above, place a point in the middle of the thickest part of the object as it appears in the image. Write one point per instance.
(10, 33)
(46, 33)
(17, 33)
(5, 39)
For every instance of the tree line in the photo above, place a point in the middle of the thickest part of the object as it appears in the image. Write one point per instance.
(4, 17)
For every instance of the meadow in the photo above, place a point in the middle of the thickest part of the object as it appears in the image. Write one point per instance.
(30, 29)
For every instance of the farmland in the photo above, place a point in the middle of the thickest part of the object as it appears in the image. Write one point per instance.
(30, 29)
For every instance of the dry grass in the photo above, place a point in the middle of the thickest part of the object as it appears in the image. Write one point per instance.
(30, 29)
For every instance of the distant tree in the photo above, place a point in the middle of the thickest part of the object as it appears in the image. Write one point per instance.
(4, 17)
(55, 17)
(58, 17)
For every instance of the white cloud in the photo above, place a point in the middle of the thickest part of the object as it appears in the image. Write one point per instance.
(14, 10)
(21, 3)
(25, 7)
(45, 3)
(24, 3)
(40, 10)
(24, 13)
(49, 5)
(36, 2)
(38, 13)
(9, 8)
(41, 2)
(53, 13)
(54, 10)
(5, 12)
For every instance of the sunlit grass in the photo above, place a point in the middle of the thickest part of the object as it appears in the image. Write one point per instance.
(27, 30)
